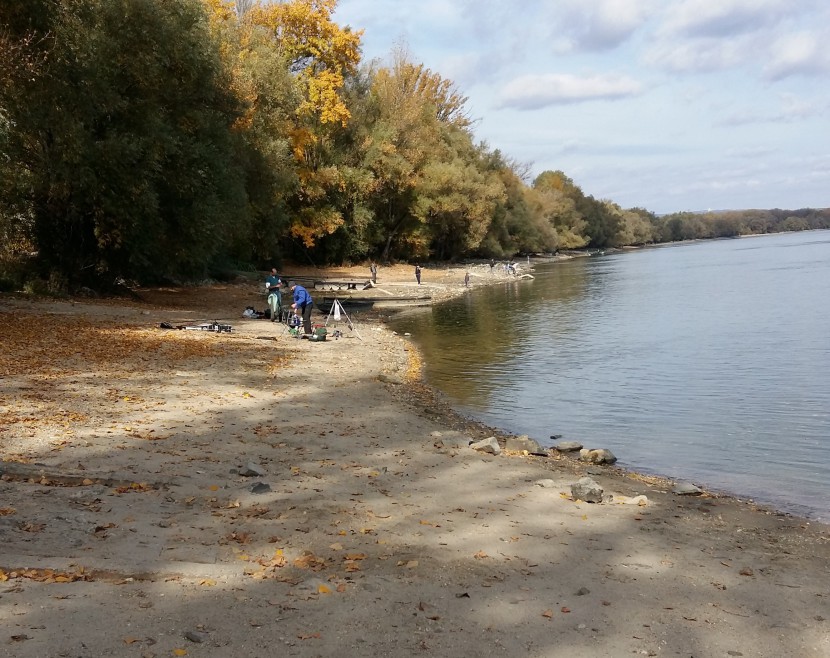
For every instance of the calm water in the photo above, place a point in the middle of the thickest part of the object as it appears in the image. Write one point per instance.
(708, 361)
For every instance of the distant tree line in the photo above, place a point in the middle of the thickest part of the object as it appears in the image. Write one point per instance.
(153, 140)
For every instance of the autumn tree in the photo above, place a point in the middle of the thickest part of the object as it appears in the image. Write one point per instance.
(269, 96)
(319, 54)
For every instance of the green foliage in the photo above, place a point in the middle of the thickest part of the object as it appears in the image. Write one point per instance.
(128, 172)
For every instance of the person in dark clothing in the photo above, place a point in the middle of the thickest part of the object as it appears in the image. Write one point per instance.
(302, 305)
(373, 268)
(272, 288)
(418, 274)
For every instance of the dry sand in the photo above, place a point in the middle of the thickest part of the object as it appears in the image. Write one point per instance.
(128, 527)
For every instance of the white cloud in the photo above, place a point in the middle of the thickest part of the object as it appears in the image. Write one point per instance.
(533, 92)
(792, 108)
(597, 25)
(698, 55)
(724, 18)
(802, 53)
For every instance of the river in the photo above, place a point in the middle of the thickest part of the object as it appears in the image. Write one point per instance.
(707, 362)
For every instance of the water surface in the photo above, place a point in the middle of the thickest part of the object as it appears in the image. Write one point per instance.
(706, 361)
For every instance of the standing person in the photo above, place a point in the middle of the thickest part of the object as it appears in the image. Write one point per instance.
(302, 304)
(272, 285)
(466, 279)
(418, 273)
(492, 264)
(373, 268)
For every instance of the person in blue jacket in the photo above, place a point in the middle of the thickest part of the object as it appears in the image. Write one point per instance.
(302, 305)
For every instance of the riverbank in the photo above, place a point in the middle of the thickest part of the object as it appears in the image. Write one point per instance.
(251, 493)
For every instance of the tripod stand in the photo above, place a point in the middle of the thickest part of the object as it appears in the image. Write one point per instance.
(337, 312)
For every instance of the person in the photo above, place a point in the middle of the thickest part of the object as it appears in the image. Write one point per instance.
(373, 268)
(466, 279)
(492, 264)
(272, 285)
(302, 305)
(418, 273)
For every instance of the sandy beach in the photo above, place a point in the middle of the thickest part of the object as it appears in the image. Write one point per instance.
(190, 493)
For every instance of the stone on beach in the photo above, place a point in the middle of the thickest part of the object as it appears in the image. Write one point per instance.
(522, 443)
(588, 490)
(489, 445)
(597, 456)
(567, 446)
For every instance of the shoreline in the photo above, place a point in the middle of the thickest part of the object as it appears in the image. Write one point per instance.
(376, 531)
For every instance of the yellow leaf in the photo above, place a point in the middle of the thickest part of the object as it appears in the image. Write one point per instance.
(323, 589)
(179, 652)
(209, 582)
(213, 487)
(548, 614)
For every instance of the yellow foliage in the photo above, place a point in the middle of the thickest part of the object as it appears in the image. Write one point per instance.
(319, 51)
(312, 223)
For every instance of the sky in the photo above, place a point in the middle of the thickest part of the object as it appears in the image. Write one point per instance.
(669, 105)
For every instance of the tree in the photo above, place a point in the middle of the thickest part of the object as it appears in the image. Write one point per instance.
(125, 141)
(320, 54)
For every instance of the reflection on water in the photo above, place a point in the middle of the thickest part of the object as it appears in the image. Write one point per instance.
(706, 361)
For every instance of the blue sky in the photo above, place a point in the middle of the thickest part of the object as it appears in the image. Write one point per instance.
(664, 104)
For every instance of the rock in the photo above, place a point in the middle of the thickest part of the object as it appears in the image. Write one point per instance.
(252, 470)
(489, 445)
(640, 500)
(260, 488)
(597, 456)
(196, 636)
(545, 484)
(451, 439)
(567, 446)
(686, 489)
(582, 591)
(522, 443)
(588, 490)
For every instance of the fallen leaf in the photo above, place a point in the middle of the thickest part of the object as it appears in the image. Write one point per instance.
(548, 613)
